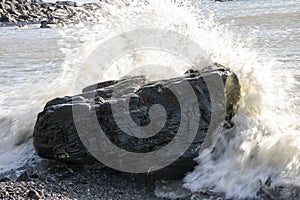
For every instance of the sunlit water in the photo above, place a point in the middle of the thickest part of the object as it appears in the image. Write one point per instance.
(259, 40)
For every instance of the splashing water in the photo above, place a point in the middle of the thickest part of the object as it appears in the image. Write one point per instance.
(266, 140)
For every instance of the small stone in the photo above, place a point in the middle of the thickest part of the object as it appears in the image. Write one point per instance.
(23, 177)
(33, 194)
(172, 190)
(34, 175)
(71, 184)
(4, 179)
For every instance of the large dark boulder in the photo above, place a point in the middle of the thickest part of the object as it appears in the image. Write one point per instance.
(55, 135)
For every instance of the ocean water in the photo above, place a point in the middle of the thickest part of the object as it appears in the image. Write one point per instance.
(258, 39)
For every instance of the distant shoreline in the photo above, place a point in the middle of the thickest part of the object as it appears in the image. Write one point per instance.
(50, 15)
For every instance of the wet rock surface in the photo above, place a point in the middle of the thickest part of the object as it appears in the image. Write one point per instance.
(21, 12)
(55, 136)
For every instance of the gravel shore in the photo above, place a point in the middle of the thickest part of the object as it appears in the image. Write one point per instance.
(51, 180)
